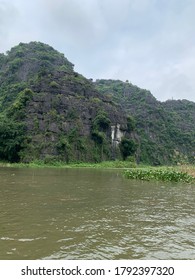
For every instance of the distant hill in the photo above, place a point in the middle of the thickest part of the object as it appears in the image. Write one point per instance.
(50, 112)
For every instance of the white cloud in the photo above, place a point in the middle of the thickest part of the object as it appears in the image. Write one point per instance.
(8, 16)
(149, 42)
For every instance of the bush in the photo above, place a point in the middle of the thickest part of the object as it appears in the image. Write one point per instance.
(98, 137)
(22, 98)
(12, 135)
(101, 122)
(130, 123)
(53, 84)
(127, 147)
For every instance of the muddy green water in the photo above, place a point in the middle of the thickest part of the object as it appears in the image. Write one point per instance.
(93, 214)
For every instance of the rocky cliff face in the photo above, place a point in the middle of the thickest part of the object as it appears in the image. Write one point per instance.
(50, 112)
(165, 130)
(65, 117)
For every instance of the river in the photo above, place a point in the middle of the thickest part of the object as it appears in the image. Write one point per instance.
(93, 214)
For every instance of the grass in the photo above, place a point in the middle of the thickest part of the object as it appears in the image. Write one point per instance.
(182, 173)
(190, 169)
(59, 164)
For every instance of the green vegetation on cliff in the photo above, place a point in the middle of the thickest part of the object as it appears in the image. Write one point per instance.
(52, 113)
(165, 130)
(49, 112)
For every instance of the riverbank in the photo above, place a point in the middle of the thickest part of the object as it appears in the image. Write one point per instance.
(181, 173)
(59, 164)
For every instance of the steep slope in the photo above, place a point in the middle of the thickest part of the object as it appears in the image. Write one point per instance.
(166, 131)
(182, 112)
(50, 112)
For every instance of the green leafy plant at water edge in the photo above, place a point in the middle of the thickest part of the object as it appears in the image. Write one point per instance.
(159, 174)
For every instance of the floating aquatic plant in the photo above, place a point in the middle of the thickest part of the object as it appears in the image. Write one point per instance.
(168, 175)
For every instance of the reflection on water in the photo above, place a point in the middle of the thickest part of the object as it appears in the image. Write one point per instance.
(93, 214)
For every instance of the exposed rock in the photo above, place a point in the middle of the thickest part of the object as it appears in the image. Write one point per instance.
(60, 114)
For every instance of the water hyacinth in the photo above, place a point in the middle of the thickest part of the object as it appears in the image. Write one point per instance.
(160, 174)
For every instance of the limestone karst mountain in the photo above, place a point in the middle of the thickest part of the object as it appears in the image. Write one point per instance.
(50, 112)
(53, 113)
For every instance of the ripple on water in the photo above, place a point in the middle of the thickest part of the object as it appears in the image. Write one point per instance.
(22, 239)
(93, 214)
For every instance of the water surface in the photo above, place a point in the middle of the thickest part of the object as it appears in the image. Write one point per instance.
(93, 214)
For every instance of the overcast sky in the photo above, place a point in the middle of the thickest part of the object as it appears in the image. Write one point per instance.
(151, 43)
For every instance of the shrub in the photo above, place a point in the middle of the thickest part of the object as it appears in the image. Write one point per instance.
(127, 147)
(53, 84)
(130, 123)
(98, 137)
(101, 122)
(12, 135)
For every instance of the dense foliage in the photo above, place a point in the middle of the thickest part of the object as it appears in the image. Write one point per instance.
(128, 147)
(12, 135)
(49, 112)
(165, 130)
(63, 116)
